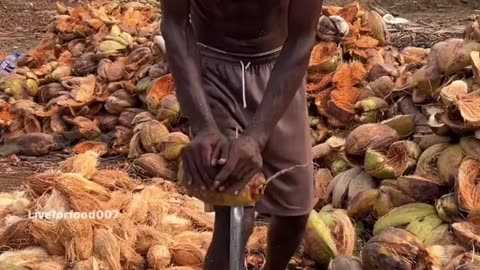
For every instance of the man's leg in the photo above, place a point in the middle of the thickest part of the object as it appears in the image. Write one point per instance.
(218, 252)
(284, 237)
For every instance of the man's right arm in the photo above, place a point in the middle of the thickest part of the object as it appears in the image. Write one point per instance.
(184, 62)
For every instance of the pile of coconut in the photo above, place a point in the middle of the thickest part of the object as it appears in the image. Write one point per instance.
(143, 224)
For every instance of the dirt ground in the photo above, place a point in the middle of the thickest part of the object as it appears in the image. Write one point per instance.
(22, 24)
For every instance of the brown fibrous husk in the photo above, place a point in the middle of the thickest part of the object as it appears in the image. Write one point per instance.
(44, 233)
(113, 179)
(106, 249)
(42, 182)
(468, 186)
(17, 235)
(84, 164)
(77, 238)
(147, 237)
(158, 257)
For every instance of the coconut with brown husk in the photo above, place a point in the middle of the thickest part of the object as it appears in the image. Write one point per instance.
(17, 235)
(251, 193)
(42, 182)
(442, 254)
(147, 237)
(154, 165)
(447, 207)
(329, 233)
(322, 178)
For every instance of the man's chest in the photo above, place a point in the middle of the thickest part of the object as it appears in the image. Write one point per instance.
(234, 9)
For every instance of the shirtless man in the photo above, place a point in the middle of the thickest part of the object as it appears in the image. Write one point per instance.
(239, 67)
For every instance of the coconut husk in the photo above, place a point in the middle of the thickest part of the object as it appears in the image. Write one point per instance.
(106, 249)
(187, 254)
(137, 209)
(453, 55)
(44, 233)
(147, 237)
(368, 136)
(126, 230)
(88, 264)
(154, 165)
(157, 206)
(37, 144)
(158, 257)
(421, 189)
(77, 238)
(201, 220)
(447, 207)
(329, 234)
(403, 215)
(427, 165)
(83, 164)
(119, 200)
(467, 234)
(113, 179)
(443, 254)
(83, 195)
(172, 145)
(396, 195)
(467, 186)
(467, 105)
(345, 262)
(258, 240)
(189, 248)
(56, 202)
(448, 164)
(465, 261)
(471, 147)
(100, 148)
(363, 204)
(28, 255)
(401, 157)
(161, 87)
(50, 263)
(345, 186)
(172, 224)
(394, 249)
(424, 228)
(322, 179)
(42, 182)
(16, 203)
(452, 91)
(324, 57)
(16, 236)
(129, 259)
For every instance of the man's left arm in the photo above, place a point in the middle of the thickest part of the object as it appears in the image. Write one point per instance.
(289, 70)
(244, 159)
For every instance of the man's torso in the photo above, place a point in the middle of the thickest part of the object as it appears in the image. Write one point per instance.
(240, 26)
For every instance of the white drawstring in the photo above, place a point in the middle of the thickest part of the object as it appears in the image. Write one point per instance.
(244, 95)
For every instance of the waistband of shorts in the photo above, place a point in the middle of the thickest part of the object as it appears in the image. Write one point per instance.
(220, 55)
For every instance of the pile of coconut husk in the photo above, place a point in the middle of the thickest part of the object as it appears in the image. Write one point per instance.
(154, 226)
(96, 82)
(397, 135)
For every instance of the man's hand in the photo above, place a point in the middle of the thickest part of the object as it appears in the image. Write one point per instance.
(208, 149)
(244, 161)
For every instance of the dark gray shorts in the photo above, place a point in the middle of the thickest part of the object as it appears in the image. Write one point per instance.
(224, 76)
